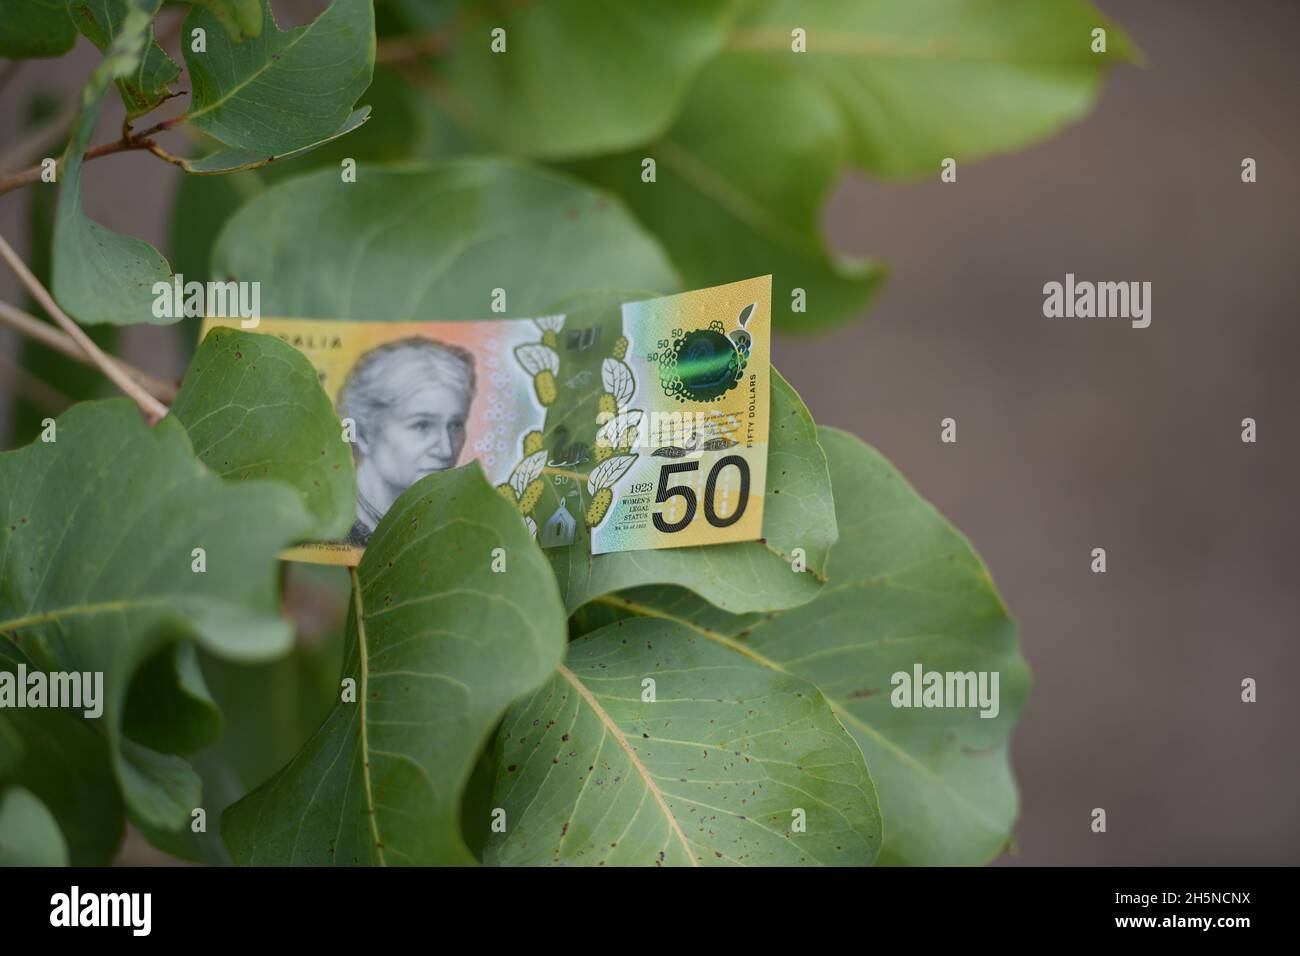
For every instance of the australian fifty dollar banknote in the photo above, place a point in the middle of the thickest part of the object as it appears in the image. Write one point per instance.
(615, 429)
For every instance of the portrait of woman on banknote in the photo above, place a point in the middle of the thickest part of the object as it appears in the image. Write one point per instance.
(410, 400)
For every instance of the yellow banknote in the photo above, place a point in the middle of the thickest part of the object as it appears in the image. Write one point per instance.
(616, 429)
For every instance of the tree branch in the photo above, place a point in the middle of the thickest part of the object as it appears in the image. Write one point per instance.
(128, 141)
(52, 338)
(153, 409)
(32, 174)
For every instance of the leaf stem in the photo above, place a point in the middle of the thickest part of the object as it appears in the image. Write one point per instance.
(33, 173)
(128, 141)
(153, 409)
(52, 338)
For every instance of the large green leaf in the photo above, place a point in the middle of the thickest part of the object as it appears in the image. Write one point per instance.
(98, 570)
(744, 196)
(149, 83)
(744, 576)
(578, 77)
(892, 86)
(254, 408)
(100, 275)
(904, 588)
(920, 80)
(29, 834)
(31, 28)
(281, 90)
(712, 771)
(439, 645)
(433, 243)
(390, 132)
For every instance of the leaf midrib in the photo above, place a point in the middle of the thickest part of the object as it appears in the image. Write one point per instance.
(364, 671)
(278, 53)
(841, 712)
(617, 732)
(102, 607)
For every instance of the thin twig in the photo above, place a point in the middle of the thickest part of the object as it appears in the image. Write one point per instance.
(160, 127)
(31, 175)
(52, 338)
(153, 409)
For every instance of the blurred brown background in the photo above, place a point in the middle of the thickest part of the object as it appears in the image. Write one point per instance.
(1071, 434)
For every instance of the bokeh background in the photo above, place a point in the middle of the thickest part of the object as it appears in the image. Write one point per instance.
(1071, 434)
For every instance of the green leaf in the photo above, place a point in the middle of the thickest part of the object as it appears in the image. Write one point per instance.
(64, 761)
(744, 576)
(35, 28)
(100, 275)
(433, 243)
(917, 592)
(272, 708)
(712, 771)
(904, 588)
(254, 408)
(920, 80)
(579, 77)
(97, 569)
(282, 90)
(891, 87)
(234, 159)
(736, 198)
(29, 835)
(241, 18)
(392, 131)
(72, 381)
(439, 645)
(169, 708)
(149, 83)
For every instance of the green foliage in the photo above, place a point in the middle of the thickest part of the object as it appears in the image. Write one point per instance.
(75, 596)
(253, 409)
(101, 275)
(921, 80)
(720, 213)
(241, 18)
(772, 688)
(591, 772)
(449, 234)
(34, 28)
(902, 587)
(578, 75)
(433, 670)
(29, 834)
(148, 83)
(241, 86)
(63, 761)
(235, 159)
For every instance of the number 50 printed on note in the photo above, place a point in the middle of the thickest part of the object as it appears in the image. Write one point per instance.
(611, 429)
